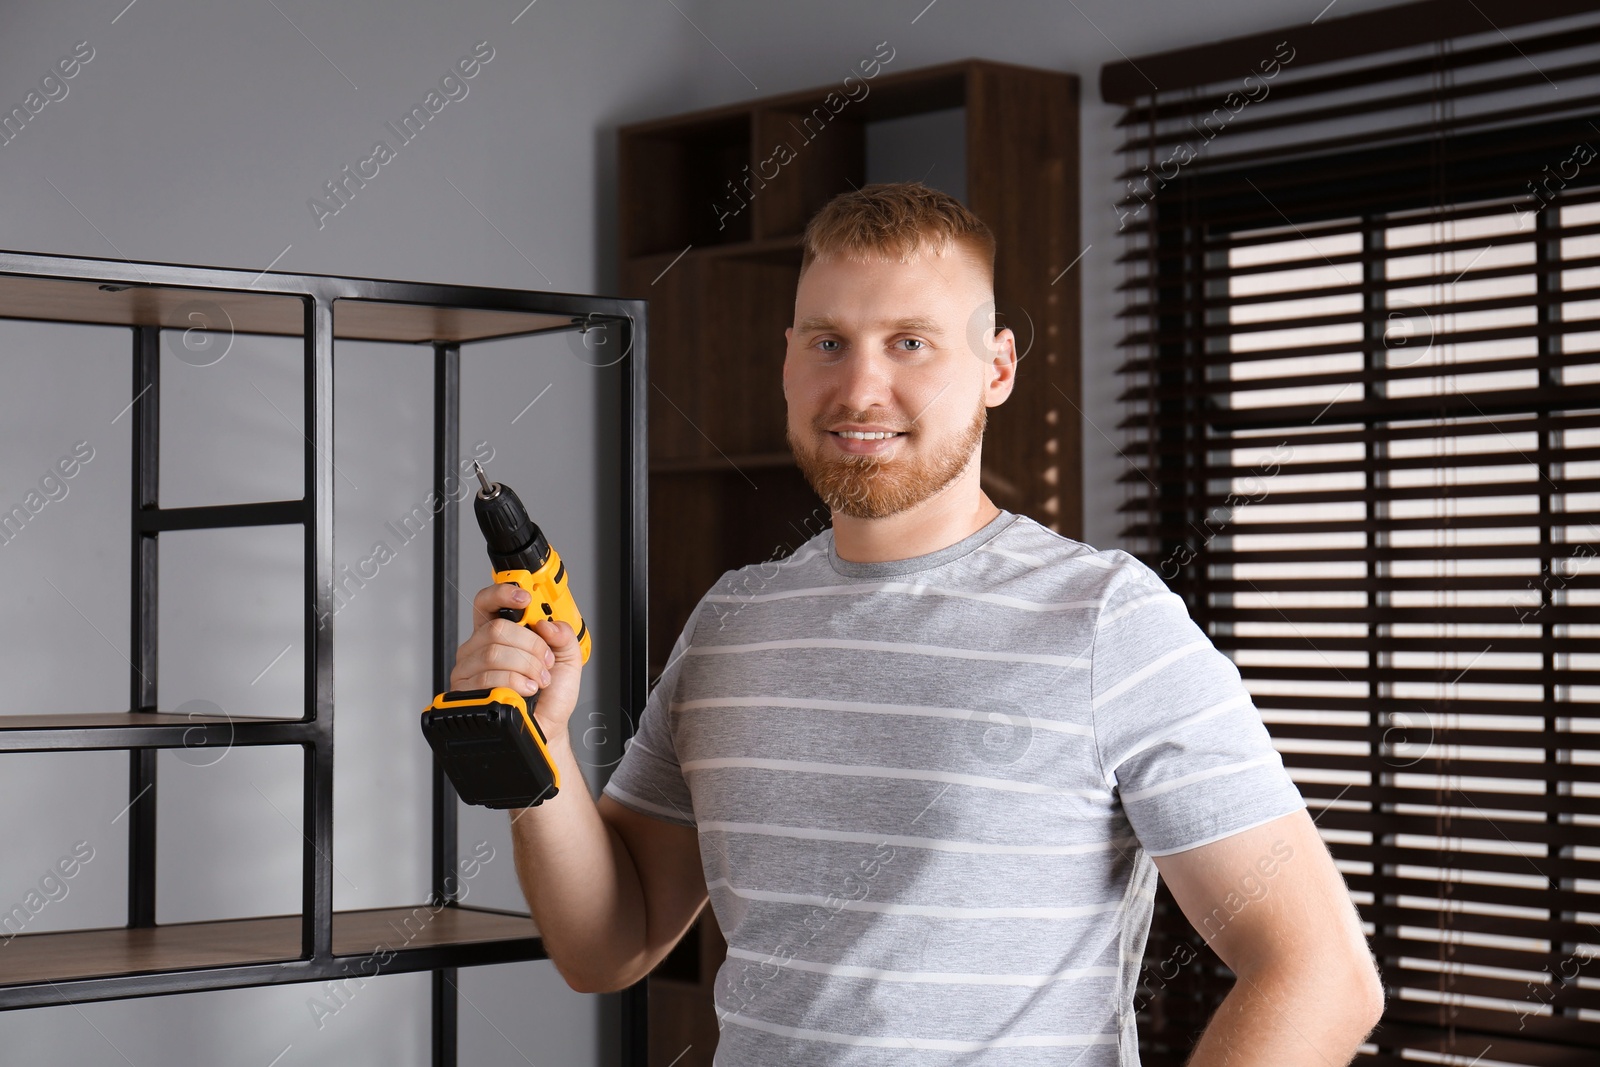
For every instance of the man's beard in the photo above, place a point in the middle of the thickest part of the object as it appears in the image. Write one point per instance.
(872, 487)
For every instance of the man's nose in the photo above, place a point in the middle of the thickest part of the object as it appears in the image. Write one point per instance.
(864, 382)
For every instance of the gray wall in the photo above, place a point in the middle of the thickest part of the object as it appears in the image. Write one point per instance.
(197, 134)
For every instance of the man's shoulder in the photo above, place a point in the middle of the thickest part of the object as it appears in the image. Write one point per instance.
(775, 572)
(776, 578)
(1041, 551)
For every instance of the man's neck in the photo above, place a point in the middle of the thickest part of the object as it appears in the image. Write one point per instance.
(938, 522)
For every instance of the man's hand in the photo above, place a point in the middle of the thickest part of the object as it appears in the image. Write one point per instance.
(545, 659)
(1273, 906)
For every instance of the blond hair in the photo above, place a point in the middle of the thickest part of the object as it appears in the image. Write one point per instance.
(895, 220)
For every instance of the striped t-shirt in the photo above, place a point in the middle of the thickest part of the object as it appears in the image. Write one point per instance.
(927, 792)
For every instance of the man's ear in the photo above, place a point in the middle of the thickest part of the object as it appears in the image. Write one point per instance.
(1000, 370)
(788, 333)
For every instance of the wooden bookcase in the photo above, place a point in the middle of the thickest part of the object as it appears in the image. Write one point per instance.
(720, 280)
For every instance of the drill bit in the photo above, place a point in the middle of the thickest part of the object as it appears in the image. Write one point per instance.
(489, 488)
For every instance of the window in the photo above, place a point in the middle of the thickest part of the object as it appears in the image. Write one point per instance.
(1363, 416)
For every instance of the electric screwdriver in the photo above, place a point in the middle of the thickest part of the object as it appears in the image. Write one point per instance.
(487, 740)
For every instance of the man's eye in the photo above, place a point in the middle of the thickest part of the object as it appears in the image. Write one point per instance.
(828, 341)
(913, 341)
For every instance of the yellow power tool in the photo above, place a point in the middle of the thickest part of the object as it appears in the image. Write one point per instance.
(487, 740)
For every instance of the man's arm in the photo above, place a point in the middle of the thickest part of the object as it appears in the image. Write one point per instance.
(1273, 906)
(610, 890)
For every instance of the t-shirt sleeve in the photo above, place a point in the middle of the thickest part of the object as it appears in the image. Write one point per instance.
(648, 778)
(1179, 738)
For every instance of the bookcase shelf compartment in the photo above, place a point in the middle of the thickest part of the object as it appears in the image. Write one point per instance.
(102, 964)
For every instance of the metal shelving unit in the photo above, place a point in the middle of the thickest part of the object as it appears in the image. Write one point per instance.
(145, 958)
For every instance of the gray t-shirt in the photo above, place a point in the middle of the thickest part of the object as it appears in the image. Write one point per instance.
(927, 792)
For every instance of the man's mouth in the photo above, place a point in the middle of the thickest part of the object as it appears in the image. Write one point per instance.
(865, 435)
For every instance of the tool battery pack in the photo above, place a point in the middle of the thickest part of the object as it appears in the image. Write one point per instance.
(492, 749)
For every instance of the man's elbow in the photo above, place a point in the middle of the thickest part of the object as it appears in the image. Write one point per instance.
(588, 986)
(1344, 991)
(1355, 994)
(1367, 996)
(580, 980)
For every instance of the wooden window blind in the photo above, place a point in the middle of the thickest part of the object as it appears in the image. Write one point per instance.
(1361, 370)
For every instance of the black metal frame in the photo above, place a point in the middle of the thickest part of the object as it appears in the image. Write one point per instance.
(314, 732)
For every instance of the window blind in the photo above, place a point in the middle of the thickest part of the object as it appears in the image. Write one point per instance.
(1361, 391)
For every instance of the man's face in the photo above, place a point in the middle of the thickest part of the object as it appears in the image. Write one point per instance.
(891, 347)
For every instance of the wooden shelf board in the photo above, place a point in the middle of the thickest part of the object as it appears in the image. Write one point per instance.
(376, 320)
(120, 719)
(357, 933)
(72, 301)
(49, 957)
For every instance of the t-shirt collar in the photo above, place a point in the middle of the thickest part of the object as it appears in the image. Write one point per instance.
(937, 558)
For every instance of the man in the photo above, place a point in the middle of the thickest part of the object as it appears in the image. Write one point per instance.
(926, 768)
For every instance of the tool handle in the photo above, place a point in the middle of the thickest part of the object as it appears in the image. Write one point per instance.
(549, 598)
